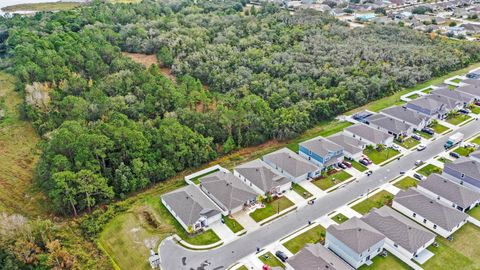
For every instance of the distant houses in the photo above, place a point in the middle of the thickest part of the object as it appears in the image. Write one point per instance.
(321, 151)
(316, 256)
(417, 120)
(352, 147)
(390, 125)
(369, 135)
(465, 171)
(292, 165)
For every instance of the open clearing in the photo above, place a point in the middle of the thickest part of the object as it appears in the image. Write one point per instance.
(47, 6)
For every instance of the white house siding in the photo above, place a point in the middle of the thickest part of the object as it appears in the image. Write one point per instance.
(387, 142)
(443, 200)
(175, 215)
(350, 256)
(250, 184)
(405, 252)
(213, 219)
(428, 224)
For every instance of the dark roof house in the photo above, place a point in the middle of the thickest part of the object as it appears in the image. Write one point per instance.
(317, 257)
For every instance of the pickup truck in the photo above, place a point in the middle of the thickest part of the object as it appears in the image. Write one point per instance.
(454, 140)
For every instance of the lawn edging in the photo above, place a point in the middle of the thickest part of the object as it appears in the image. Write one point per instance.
(187, 245)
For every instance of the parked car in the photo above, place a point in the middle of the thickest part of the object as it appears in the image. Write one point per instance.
(464, 111)
(473, 76)
(419, 176)
(348, 164)
(416, 137)
(402, 172)
(281, 255)
(343, 166)
(364, 162)
(455, 155)
(367, 160)
(418, 162)
(428, 130)
(421, 147)
(368, 173)
(477, 103)
(395, 147)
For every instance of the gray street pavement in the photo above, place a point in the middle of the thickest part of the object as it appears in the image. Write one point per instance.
(175, 257)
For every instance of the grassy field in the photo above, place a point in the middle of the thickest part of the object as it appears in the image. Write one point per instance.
(458, 118)
(339, 218)
(232, 224)
(386, 263)
(475, 212)
(327, 129)
(301, 191)
(378, 200)
(461, 253)
(271, 209)
(464, 151)
(429, 169)
(270, 260)
(331, 180)
(406, 182)
(408, 143)
(196, 180)
(313, 235)
(47, 6)
(476, 140)
(378, 157)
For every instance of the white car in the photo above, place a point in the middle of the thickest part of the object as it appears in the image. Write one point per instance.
(418, 162)
(395, 147)
(421, 147)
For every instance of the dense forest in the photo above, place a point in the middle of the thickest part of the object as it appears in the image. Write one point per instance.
(243, 76)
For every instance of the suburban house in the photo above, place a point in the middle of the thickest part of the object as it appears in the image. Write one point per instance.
(295, 167)
(456, 95)
(402, 234)
(192, 209)
(429, 107)
(441, 219)
(470, 89)
(411, 117)
(261, 178)
(369, 135)
(390, 125)
(449, 193)
(354, 241)
(352, 147)
(465, 171)
(318, 257)
(227, 191)
(321, 151)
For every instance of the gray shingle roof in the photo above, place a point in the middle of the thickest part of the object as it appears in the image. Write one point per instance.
(469, 167)
(317, 257)
(470, 89)
(460, 195)
(368, 133)
(450, 103)
(349, 144)
(290, 162)
(443, 216)
(321, 146)
(227, 189)
(189, 203)
(460, 96)
(356, 234)
(389, 123)
(430, 104)
(404, 114)
(262, 176)
(398, 228)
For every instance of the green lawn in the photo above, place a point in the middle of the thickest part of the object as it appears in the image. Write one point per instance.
(327, 130)
(475, 212)
(406, 182)
(232, 224)
(271, 209)
(461, 253)
(464, 151)
(423, 134)
(408, 143)
(54, 6)
(270, 260)
(378, 200)
(386, 263)
(301, 191)
(414, 96)
(204, 238)
(196, 180)
(339, 218)
(444, 160)
(458, 118)
(429, 169)
(456, 80)
(243, 267)
(476, 140)
(358, 166)
(427, 91)
(313, 235)
(331, 180)
(451, 87)
(438, 128)
(475, 109)
(378, 157)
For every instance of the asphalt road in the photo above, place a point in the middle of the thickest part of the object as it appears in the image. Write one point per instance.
(175, 257)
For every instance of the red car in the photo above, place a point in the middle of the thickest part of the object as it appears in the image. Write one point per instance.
(348, 164)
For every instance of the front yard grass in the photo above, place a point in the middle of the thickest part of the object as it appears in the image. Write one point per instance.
(382, 263)
(378, 157)
(357, 165)
(301, 191)
(378, 200)
(271, 208)
(406, 182)
(475, 109)
(232, 224)
(475, 212)
(438, 128)
(270, 260)
(429, 169)
(423, 134)
(463, 252)
(313, 235)
(476, 140)
(331, 180)
(456, 80)
(339, 218)
(414, 96)
(457, 118)
(444, 160)
(464, 151)
(408, 143)
(196, 180)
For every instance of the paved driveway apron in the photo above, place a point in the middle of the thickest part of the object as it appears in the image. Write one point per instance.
(175, 257)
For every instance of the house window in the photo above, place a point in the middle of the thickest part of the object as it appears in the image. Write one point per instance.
(424, 221)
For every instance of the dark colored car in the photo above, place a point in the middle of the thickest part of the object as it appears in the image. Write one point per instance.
(281, 255)
(343, 166)
(418, 176)
(455, 155)
(428, 130)
(464, 111)
(364, 162)
(416, 137)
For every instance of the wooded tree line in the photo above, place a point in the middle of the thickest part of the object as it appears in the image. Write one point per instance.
(244, 76)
